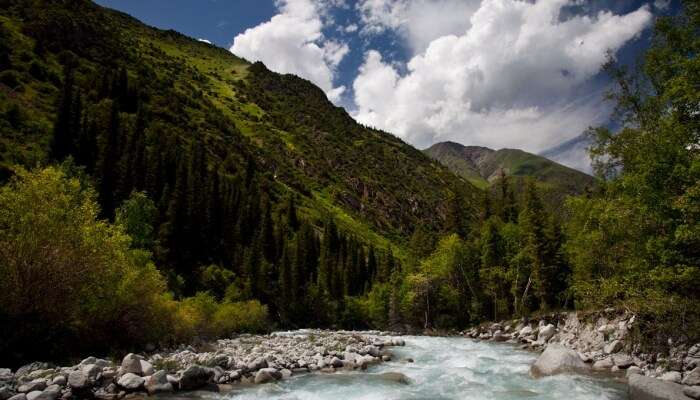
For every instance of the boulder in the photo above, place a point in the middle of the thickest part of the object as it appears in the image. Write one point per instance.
(526, 331)
(498, 336)
(5, 393)
(633, 370)
(395, 377)
(692, 391)
(6, 375)
(146, 368)
(59, 380)
(672, 376)
(92, 370)
(336, 362)
(622, 361)
(605, 363)
(557, 359)
(50, 393)
(613, 347)
(546, 332)
(158, 383)
(194, 377)
(286, 374)
(131, 364)
(78, 380)
(34, 394)
(257, 364)
(19, 396)
(131, 382)
(645, 388)
(265, 375)
(692, 378)
(35, 385)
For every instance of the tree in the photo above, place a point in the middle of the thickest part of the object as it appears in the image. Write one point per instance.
(137, 215)
(65, 131)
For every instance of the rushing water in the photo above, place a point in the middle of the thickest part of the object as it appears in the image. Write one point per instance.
(444, 368)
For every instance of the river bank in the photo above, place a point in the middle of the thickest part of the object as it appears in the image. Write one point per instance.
(215, 366)
(603, 341)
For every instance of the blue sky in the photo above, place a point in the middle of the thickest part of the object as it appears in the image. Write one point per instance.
(499, 73)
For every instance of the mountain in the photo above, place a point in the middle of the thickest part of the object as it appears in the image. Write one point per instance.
(153, 110)
(482, 166)
(573, 153)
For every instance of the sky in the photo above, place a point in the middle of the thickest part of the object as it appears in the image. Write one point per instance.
(498, 73)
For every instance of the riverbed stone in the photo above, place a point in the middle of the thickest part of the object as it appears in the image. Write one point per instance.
(613, 347)
(672, 376)
(557, 359)
(545, 333)
(78, 380)
(35, 385)
(645, 388)
(52, 392)
(194, 377)
(622, 361)
(59, 380)
(5, 393)
(131, 382)
(395, 377)
(18, 396)
(692, 391)
(633, 370)
(692, 378)
(131, 364)
(265, 375)
(146, 368)
(158, 383)
(604, 363)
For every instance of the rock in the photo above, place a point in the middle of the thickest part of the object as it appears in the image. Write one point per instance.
(546, 333)
(622, 361)
(158, 383)
(5, 393)
(50, 393)
(6, 375)
(194, 377)
(605, 363)
(498, 336)
(350, 356)
(672, 376)
(692, 378)
(613, 347)
(336, 362)
(19, 396)
(286, 374)
(131, 364)
(59, 380)
(265, 375)
(131, 382)
(35, 385)
(645, 388)
(526, 331)
(692, 391)
(257, 364)
(92, 370)
(634, 370)
(395, 377)
(78, 380)
(146, 368)
(173, 380)
(557, 359)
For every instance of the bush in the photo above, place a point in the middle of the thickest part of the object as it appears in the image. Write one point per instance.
(68, 281)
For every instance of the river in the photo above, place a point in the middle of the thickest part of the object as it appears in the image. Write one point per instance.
(443, 368)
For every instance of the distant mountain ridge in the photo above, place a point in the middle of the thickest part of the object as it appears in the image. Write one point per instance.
(482, 166)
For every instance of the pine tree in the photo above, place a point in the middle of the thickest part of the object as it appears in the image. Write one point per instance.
(64, 134)
(455, 215)
(109, 162)
(532, 221)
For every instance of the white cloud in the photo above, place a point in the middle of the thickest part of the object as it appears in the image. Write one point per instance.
(292, 42)
(351, 28)
(514, 77)
(418, 21)
(662, 4)
(204, 41)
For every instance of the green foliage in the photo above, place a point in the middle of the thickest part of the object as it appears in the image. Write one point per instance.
(137, 215)
(636, 242)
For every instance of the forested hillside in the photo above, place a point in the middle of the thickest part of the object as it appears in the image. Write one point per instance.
(484, 167)
(157, 189)
(238, 181)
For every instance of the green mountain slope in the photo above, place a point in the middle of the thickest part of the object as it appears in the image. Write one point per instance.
(482, 166)
(199, 103)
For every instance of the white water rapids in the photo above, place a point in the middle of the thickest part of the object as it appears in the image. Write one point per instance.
(444, 368)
